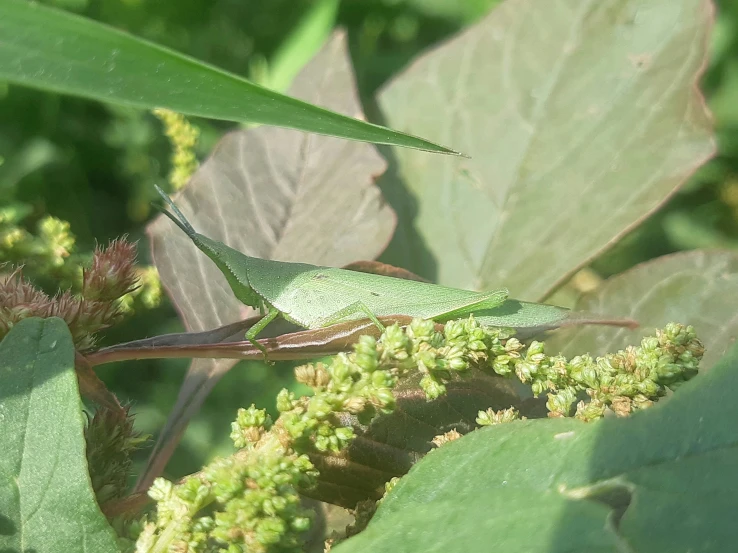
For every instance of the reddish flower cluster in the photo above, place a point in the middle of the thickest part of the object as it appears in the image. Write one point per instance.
(111, 276)
(112, 273)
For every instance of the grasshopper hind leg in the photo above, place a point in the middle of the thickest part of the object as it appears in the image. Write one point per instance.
(346, 313)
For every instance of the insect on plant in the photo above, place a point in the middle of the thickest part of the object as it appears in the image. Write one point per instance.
(315, 297)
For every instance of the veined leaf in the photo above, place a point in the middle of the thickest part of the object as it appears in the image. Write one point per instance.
(581, 116)
(46, 500)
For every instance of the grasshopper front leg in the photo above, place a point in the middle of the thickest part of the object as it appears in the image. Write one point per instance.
(254, 331)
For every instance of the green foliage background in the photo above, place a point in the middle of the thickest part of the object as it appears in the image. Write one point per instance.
(94, 165)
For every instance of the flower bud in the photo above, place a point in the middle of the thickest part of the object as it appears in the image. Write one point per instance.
(432, 388)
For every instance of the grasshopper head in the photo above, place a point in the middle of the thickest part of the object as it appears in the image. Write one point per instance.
(234, 266)
(232, 263)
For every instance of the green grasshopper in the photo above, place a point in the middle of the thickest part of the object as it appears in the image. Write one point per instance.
(315, 297)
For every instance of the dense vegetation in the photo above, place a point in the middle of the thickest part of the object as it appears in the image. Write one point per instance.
(78, 173)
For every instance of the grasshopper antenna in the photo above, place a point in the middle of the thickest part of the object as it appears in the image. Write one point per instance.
(180, 220)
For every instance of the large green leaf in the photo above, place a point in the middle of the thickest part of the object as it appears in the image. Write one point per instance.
(698, 288)
(54, 50)
(46, 499)
(272, 194)
(581, 117)
(661, 481)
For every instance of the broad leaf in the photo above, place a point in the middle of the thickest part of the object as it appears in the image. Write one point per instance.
(698, 288)
(581, 118)
(46, 499)
(391, 444)
(54, 50)
(662, 480)
(273, 194)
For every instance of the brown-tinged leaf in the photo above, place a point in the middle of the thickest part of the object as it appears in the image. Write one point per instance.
(384, 269)
(303, 344)
(284, 341)
(273, 194)
(581, 117)
(391, 444)
(94, 389)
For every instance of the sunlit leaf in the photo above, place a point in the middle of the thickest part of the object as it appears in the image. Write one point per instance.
(466, 11)
(698, 288)
(302, 43)
(581, 118)
(663, 480)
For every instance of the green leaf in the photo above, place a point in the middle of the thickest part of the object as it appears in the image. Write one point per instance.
(46, 499)
(581, 118)
(276, 195)
(54, 50)
(698, 288)
(663, 480)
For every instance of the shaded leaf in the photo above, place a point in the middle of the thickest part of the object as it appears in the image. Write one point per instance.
(391, 444)
(46, 499)
(273, 194)
(662, 480)
(54, 50)
(581, 118)
(699, 288)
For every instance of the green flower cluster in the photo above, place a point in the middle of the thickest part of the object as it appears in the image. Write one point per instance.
(147, 293)
(183, 137)
(360, 383)
(624, 381)
(46, 253)
(254, 493)
(250, 498)
(249, 426)
(490, 417)
(352, 383)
